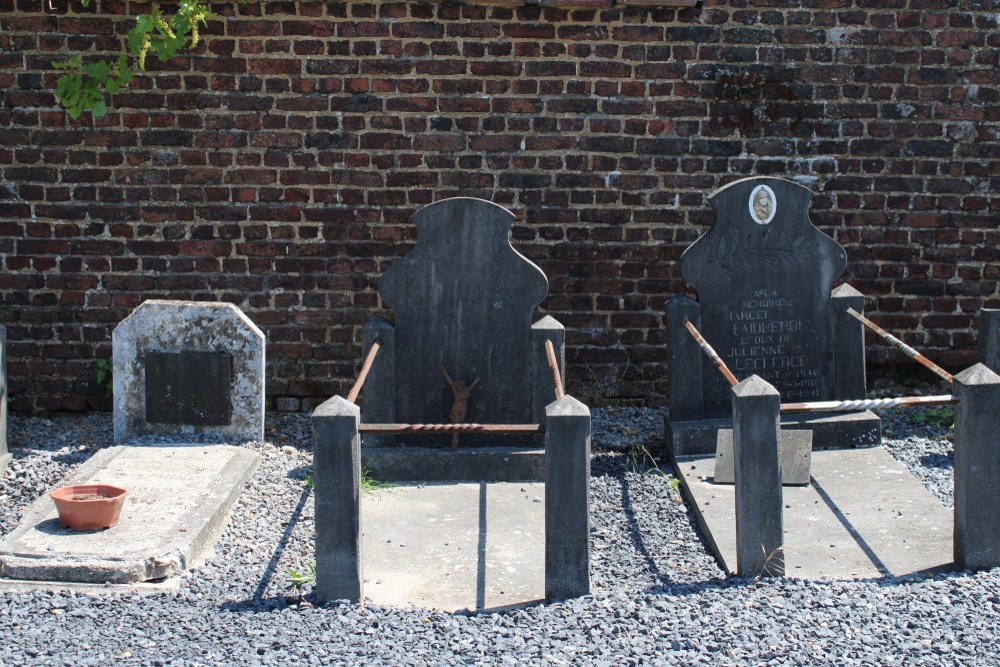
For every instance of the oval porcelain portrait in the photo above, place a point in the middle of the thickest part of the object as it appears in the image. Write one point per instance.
(762, 204)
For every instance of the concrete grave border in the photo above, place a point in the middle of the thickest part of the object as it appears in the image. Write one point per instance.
(175, 326)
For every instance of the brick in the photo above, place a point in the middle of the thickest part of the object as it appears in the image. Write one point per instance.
(605, 128)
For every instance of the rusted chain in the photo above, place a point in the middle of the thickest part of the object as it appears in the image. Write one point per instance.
(363, 375)
(711, 354)
(550, 352)
(867, 404)
(450, 428)
(901, 346)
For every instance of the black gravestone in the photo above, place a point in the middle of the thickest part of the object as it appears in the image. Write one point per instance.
(763, 274)
(463, 300)
(191, 388)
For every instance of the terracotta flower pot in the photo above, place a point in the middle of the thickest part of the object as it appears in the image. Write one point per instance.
(89, 506)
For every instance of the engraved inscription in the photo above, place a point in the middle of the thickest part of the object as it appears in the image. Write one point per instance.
(768, 338)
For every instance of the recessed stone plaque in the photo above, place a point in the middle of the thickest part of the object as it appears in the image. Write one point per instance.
(189, 388)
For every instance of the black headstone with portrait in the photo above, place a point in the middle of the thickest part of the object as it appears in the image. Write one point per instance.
(764, 276)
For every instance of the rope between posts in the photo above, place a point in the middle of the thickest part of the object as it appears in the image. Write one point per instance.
(868, 404)
(450, 428)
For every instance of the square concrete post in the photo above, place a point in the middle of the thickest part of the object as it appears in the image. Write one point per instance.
(567, 499)
(989, 338)
(337, 476)
(759, 537)
(848, 345)
(378, 397)
(977, 469)
(542, 391)
(4, 451)
(684, 359)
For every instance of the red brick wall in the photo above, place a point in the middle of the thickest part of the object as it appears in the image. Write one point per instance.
(277, 166)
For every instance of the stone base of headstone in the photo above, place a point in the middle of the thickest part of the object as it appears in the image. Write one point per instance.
(829, 431)
(795, 452)
(437, 464)
(4, 462)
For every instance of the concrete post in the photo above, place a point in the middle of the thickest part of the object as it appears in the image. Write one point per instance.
(989, 338)
(542, 392)
(759, 538)
(337, 476)
(567, 499)
(5, 455)
(378, 397)
(848, 345)
(977, 468)
(687, 399)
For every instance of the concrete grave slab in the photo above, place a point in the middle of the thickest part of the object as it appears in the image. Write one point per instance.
(455, 546)
(180, 497)
(175, 336)
(863, 516)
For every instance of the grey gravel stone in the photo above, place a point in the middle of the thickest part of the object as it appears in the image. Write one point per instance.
(657, 597)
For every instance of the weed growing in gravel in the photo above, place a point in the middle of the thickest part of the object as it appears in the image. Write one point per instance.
(368, 483)
(941, 416)
(300, 579)
(639, 454)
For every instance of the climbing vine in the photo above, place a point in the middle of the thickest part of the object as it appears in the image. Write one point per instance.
(86, 85)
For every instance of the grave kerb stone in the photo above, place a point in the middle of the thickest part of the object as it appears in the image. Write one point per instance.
(759, 530)
(977, 469)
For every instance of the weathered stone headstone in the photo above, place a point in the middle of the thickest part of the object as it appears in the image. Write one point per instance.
(184, 369)
(5, 455)
(764, 277)
(463, 300)
(764, 274)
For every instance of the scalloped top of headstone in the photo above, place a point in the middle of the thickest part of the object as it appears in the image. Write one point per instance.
(463, 298)
(764, 274)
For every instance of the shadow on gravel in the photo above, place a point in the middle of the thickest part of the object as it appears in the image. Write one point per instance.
(258, 602)
(944, 461)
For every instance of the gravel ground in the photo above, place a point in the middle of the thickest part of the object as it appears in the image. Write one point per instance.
(658, 597)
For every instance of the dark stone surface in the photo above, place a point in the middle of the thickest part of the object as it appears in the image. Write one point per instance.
(687, 399)
(848, 344)
(378, 401)
(567, 499)
(795, 451)
(465, 464)
(463, 299)
(542, 387)
(764, 291)
(5, 455)
(192, 388)
(977, 469)
(759, 532)
(337, 477)
(989, 338)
